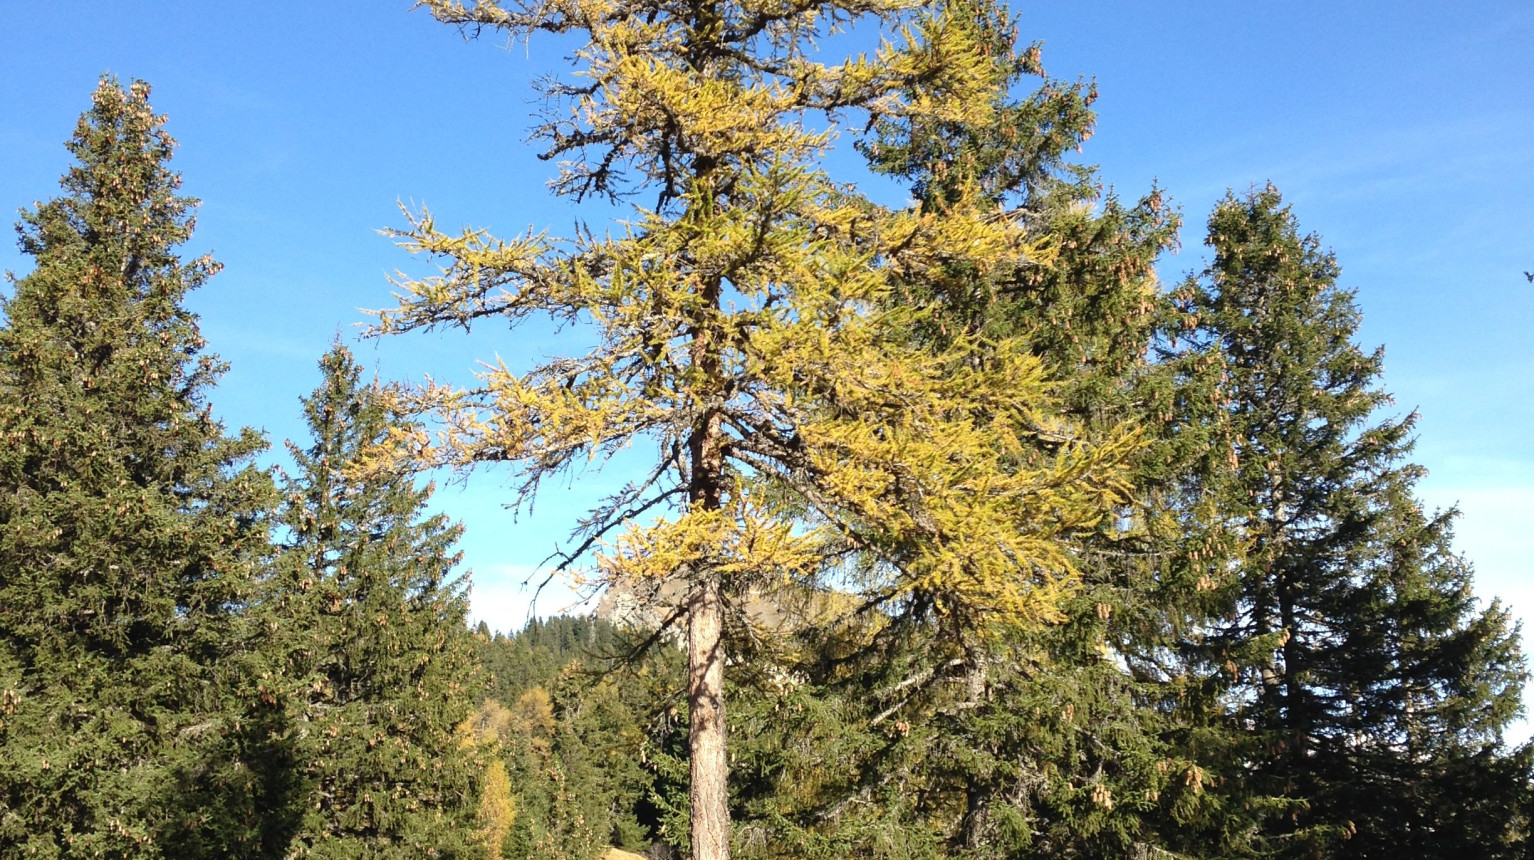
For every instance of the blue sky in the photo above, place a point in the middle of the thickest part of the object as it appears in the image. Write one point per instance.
(1402, 133)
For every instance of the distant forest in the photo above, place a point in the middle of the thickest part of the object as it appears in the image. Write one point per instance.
(964, 536)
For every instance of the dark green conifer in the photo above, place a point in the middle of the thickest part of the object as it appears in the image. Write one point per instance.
(1035, 740)
(130, 528)
(1371, 688)
(373, 632)
(576, 730)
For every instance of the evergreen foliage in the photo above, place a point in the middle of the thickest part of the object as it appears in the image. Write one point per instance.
(131, 530)
(573, 733)
(372, 632)
(1362, 683)
(538, 654)
(1036, 741)
(1007, 551)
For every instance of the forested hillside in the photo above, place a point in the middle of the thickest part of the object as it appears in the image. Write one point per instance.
(961, 534)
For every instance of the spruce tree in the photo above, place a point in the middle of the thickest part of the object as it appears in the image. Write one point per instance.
(1040, 739)
(1372, 686)
(373, 632)
(131, 527)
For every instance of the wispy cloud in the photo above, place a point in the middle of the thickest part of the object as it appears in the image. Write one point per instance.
(506, 597)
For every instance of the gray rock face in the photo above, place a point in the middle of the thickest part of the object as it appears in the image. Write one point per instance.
(650, 604)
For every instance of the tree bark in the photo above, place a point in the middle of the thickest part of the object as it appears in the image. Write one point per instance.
(708, 793)
(975, 825)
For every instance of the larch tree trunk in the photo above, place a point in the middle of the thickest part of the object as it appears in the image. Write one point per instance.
(708, 787)
(708, 793)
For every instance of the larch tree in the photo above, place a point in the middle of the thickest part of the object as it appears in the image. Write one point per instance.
(1372, 688)
(371, 628)
(132, 528)
(742, 330)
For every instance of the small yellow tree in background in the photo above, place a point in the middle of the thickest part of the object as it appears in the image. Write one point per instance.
(497, 808)
(485, 730)
(742, 329)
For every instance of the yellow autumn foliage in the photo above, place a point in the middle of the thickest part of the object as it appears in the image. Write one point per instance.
(744, 322)
(497, 810)
(485, 729)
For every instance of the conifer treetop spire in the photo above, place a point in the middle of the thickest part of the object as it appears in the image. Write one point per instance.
(1372, 686)
(133, 526)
